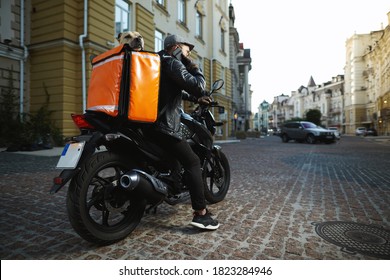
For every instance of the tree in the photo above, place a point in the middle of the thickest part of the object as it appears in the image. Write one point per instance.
(314, 116)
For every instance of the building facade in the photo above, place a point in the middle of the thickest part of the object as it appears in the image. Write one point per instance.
(14, 67)
(263, 124)
(276, 115)
(241, 64)
(45, 46)
(326, 97)
(359, 98)
(359, 106)
(369, 91)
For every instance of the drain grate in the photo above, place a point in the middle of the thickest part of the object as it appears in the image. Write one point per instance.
(356, 238)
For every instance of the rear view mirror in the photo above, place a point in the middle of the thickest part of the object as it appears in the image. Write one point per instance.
(217, 85)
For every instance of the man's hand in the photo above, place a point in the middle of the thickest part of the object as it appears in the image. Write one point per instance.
(188, 63)
(204, 100)
(185, 60)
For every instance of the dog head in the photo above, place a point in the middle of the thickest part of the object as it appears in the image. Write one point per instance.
(133, 39)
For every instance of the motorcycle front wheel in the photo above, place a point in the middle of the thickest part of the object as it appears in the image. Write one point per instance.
(98, 209)
(216, 177)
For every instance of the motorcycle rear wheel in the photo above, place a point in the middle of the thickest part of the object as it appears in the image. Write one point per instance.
(216, 178)
(98, 209)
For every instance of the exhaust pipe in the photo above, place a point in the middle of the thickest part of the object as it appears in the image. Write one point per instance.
(145, 185)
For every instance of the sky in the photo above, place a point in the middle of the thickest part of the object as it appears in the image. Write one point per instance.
(291, 40)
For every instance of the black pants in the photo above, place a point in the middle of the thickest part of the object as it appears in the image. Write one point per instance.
(181, 150)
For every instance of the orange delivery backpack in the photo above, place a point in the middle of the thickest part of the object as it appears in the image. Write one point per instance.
(125, 83)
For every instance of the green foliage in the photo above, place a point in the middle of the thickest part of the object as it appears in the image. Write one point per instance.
(40, 125)
(253, 134)
(314, 116)
(26, 131)
(247, 134)
(240, 135)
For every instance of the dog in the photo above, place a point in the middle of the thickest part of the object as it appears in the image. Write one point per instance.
(133, 39)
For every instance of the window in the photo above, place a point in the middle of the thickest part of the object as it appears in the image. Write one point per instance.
(199, 25)
(161, 2)
(6, 20)
(122, 16)
(181, 11)
(222, 40)
(158, 41)
(199, 61)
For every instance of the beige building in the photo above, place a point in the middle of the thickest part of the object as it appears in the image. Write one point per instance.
(367, 81)
(277, 111)
(326, 97)
(359, 106)
(359, 98)
(45, 46)
(376, 77)
(240, 63)
(206, 24)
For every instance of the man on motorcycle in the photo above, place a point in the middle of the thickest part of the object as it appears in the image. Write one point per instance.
(179, 73)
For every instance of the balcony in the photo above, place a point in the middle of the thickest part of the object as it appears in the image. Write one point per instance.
(385, 112)
(335, 111)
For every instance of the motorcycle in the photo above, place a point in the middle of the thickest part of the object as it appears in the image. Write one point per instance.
(116, 173)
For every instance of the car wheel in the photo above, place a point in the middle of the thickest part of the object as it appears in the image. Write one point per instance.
(310, 139)
(285, 138)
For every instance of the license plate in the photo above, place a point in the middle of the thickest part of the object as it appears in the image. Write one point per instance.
(329, 137)
(70, 155)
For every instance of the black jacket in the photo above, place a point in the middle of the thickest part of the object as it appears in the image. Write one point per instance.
(174, 78)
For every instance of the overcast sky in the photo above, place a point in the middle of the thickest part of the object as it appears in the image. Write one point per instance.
(291, 40)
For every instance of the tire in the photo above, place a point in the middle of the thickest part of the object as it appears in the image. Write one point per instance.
(99, 210)
(216, 178)
(285, 138)
(310, 139)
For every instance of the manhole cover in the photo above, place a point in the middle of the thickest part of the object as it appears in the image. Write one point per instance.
(356, 238)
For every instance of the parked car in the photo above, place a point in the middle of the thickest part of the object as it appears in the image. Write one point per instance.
(336, 132)
(360, 131)
(371, 132)
(276, 131)
(301, 131)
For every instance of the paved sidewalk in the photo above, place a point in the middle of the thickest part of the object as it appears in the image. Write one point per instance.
(278, 190)
(56, 151)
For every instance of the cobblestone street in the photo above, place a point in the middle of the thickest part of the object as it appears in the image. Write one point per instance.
(278, 190)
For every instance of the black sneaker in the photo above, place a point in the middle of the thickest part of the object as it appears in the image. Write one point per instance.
(204, 221)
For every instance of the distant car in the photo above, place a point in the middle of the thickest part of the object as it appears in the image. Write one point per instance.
(371, 132)
(336, 132)
(360, 131)
(306, 131)
(276, 131)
